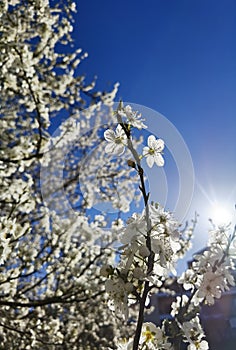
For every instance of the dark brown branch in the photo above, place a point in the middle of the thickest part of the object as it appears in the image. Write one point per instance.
(48, 301)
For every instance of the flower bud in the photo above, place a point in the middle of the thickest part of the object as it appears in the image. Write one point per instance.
(131, 163)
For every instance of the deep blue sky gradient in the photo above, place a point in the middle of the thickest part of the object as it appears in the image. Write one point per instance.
(178, 58)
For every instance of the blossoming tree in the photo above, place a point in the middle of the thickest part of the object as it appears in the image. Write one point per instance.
(52, 294)
(61, 261)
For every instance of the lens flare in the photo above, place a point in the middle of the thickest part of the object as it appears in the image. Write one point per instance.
(221, 214)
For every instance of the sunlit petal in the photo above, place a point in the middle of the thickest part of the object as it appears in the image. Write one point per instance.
(109, 135)
(159, 145)
(159, 160)
(150, 161)
(150, 141)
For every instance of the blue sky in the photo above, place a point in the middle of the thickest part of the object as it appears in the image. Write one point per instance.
(178, 58)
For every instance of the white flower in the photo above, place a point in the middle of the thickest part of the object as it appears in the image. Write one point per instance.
(149, 332)
(219, 236)
(211, 286)
(163, 222)
(153, 151)
(188, 279)
(202, 345)
(126, 345)
(176, 305)
(117, 140)
(193, 334)
(133, 118)
(5, 250)
(135, 230)
(118, 293)
(153, 337)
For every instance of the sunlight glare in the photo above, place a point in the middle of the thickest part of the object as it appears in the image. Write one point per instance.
(220, 214)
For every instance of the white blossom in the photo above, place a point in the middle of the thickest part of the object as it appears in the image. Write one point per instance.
(153, 337)
(153, 152)
(117, 140)
(202, 345)
(132, 117)
(194, 334)
(118, 291)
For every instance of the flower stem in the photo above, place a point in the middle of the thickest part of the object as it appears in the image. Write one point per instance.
(150, 261)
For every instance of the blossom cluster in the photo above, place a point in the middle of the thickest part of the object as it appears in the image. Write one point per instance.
(150, 244)
(49, 260)
(211, 272)
(152, 337)
(118, 140)
(163, 243)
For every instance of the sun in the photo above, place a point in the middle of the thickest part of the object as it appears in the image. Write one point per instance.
(220, 214)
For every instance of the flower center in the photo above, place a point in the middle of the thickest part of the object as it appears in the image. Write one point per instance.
(118, 140)
(149, 335)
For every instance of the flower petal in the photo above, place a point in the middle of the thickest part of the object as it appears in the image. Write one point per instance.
(159, 160)
(119, 149)
(110, 148)
(119, 130)
(145, 151)
(151, 139)
(109, 135)
(150, 161)
(159, 145)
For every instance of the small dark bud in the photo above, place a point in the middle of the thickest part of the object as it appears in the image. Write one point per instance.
(131, 163)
